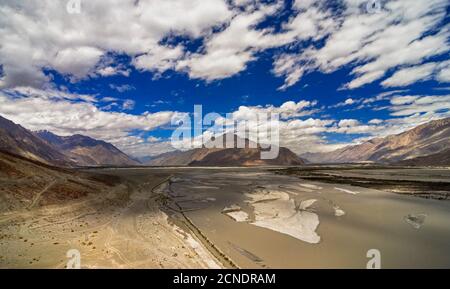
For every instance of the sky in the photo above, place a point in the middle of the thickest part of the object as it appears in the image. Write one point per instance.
(338, 72)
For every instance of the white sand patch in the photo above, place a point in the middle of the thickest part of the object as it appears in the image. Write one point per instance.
(235, 212)
(277, 212)
(301, 225)
(347, 191)
(311, 186)
(238, 216)
(338, 212)
(306, 204)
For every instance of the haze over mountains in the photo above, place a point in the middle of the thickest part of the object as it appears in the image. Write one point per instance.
(426, 144)
(48, 148)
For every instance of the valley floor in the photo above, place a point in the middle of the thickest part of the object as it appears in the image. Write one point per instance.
(240, 217)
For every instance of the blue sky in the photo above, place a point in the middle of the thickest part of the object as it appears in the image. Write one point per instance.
(340, 71)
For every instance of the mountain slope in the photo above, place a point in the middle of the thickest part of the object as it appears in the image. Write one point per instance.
(48, 148)
(247, 156)
(86, 151)
(428, 139)
(438, 159)
(28, 183)
(20, 141)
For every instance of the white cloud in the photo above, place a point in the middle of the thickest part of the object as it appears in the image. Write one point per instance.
(409, 75)
(411, 105)
(42, 34)
(289, 109)
(348, 101)
(228, 51)
(128, 104)
(348, 123)
(375, 121)
(110, 71)
(122, 88)
(400, 100)
(152, 139)
(159, 59)
(444, 75)
(67, 114)
(76, 61)
(373, 43)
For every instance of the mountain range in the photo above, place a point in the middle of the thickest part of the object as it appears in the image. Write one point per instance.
(426, 144)
(248, 155)
(86, 151)
(63, 151)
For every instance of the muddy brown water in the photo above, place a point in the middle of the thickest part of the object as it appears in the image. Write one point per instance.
(409, 232)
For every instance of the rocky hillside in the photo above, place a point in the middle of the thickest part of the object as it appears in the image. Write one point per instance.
(26, 183)
(86, 151)
(422, 145)
(68, 151)
(20, 141)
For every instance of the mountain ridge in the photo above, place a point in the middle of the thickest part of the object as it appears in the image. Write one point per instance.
(87, 151)
(18, 140)
(426, 139)
(248, 155)
(51, 149)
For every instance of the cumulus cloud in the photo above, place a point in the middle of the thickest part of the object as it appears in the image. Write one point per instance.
(289, 109)
(227, 52)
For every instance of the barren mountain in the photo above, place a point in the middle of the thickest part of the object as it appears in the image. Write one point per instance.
(439, 159)
(422, 145)
(20, 141)
(68, 151)
(249, 155)
(86, 151)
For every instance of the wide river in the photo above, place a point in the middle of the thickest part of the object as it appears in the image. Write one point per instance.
(263, 220)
